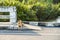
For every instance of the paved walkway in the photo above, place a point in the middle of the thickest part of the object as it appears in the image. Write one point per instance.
(32, 27)
(25, 37)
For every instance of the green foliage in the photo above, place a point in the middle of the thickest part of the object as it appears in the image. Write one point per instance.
(46, 11)
(4, 20)
(34, 10)
(4, 13)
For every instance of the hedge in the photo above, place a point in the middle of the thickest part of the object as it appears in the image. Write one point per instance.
(34, 11)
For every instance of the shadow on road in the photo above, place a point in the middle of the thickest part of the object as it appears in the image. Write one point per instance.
(28, 32)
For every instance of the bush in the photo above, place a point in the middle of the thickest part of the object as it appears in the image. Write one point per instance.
(34, 10)
(46, 12)
(23, 10)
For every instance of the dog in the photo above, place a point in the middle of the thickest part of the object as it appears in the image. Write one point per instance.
(20, 24)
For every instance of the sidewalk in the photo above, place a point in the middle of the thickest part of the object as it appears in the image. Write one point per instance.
(32, 27)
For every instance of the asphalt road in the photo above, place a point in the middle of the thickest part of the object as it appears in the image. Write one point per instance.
(28, 34)
(36, 33)
(25, 37)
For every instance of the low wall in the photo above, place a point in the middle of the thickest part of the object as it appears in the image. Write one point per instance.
(51, 24)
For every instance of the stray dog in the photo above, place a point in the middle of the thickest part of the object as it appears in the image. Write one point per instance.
(20, 24)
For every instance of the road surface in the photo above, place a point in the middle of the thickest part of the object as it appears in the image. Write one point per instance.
(31, 34)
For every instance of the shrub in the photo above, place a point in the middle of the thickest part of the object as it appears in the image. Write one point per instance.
(46, 12)
(34, 10)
